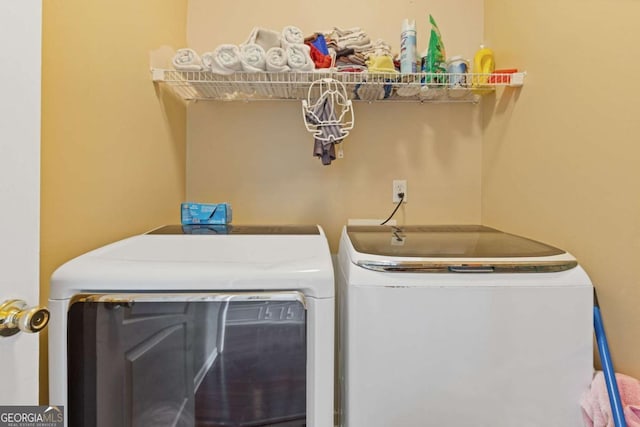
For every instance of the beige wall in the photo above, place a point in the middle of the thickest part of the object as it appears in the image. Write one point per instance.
(258, 156)
(561, 162)
(113, 149)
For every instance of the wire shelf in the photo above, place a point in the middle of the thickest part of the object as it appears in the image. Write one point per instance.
(366, 87)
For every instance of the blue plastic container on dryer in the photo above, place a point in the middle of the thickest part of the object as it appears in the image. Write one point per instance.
(205, 213)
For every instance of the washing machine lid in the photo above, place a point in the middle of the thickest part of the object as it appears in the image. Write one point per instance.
(452, 248)
(205, 258)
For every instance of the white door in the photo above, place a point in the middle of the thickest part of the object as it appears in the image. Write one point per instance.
(20, 71)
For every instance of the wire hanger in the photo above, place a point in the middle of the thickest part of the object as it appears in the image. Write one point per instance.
(329, 117)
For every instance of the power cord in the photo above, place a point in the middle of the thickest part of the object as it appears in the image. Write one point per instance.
(401, 195)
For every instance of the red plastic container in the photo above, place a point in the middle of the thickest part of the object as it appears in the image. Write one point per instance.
(502, 76)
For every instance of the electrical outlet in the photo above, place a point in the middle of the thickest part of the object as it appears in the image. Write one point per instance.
(399, 186)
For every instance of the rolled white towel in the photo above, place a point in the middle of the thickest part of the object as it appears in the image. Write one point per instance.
(299, 58)
(291, 35)
(264, 38)
(187, 60)
(276, 59)
(207, 60)
(253, 58)
(225, 59)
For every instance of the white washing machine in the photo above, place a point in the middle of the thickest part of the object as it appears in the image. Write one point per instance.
(460, 326)
(196, 326)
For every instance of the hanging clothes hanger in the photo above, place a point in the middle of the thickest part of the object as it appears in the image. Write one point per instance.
(327, 111)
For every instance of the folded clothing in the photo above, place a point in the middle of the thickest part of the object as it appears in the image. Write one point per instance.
(319, 42)
(350, 68)
(381, 64)
(345, 52)
(378, 48)
(344, 39)
(319, 59)
(264, 38)
(225, 59)
(596, 409)
(353, 46)
(355, 59)
(187, 60)
(299, 58)
(276, 60)
(338, 32)
(253, 58)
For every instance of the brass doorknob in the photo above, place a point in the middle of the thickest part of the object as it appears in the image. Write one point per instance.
(15, 316)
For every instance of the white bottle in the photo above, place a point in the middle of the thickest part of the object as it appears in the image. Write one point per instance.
(408, 47)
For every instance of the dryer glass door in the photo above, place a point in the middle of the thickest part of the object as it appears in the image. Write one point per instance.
(210, 360)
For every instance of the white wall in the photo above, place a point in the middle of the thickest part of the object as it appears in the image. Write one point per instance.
(20, 72)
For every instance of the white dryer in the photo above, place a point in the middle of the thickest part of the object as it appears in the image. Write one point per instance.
(460, 326)
(196, 326)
